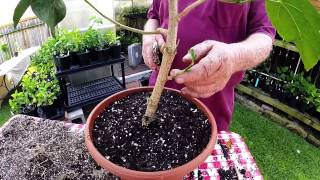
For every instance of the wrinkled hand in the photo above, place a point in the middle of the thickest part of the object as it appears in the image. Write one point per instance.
(212, 72)
(147, 49)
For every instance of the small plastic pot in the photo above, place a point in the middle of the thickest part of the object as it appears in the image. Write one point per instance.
(84, 58)
(93, 54)
(62, 62)
(128, 174)
(115, 51)
(30, 111)
(103, 54)
(48, 111)
(74, 58)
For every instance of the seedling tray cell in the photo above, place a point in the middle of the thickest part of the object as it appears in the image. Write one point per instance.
(90, 92)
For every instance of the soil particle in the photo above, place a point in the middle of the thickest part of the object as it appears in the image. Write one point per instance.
(229, 174)
(179, 133)
(45, 149)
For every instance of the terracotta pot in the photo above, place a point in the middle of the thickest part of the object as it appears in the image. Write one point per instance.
(124, 173)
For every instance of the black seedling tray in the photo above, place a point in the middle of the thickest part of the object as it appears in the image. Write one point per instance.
(75, 69)
(93, 91)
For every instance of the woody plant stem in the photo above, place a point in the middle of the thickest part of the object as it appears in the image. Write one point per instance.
(169, 51)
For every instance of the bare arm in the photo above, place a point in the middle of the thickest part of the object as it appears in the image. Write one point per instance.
(151, 25)
(252, 51)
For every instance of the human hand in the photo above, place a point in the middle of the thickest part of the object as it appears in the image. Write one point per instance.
(148, 43)
(212, 73)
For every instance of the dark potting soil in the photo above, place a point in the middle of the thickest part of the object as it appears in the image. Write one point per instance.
(179, 133)
(45, 150)
(229, 174)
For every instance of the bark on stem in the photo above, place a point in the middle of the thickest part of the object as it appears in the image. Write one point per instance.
(168, 57)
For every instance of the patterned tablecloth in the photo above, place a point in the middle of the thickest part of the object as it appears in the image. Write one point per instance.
(224, 163)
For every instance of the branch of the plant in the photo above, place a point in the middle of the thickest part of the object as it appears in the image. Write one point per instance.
(188, 68)
(158, 31)
(168, 57)
(189, 8)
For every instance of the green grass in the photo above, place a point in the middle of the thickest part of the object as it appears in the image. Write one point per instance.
(4, 113)
(276, 149)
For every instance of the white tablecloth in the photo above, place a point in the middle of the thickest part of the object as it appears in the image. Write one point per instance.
(11, 71)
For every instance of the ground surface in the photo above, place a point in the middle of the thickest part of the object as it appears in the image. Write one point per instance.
(279, 153)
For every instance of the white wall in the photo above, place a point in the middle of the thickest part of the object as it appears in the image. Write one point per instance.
(78, 13)
(7, 9)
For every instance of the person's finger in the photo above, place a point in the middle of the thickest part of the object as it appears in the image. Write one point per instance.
(189, 92)
(161, 42)
(202, 88)
(176, 72)
(201, 71)
(148, 57)
(200, 50)
(196, 94)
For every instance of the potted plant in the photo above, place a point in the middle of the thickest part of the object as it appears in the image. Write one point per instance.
(91, 40)
(103, 48)
(62, 57)
(20, 103)
(46, 95)
(115, 46)
(124, 147)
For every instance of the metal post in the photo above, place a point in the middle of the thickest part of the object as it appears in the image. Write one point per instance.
(123, 75)
(112, 72)
(297, 67)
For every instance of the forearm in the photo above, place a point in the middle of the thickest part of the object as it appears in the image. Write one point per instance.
(252, 51)
(151, 25)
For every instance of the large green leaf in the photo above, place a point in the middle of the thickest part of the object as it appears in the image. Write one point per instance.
(49, 11)
(20, 10)
(297, 21)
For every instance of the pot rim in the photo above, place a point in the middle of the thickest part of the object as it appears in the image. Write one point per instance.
(115, 169)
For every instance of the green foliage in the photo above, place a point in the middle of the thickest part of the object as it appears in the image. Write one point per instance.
(298, 22)
(193, 60)
(91, 38)
(18, 100)
(49, 11)
(111, 38)
(4, 48)
(126, 12)
(20, 9)
(39, 86)
(301, 87)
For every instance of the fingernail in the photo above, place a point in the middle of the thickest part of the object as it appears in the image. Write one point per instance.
(179, 80)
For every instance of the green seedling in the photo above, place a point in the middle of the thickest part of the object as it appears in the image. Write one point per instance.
(193, 60)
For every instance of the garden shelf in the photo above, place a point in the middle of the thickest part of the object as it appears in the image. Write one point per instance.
(94, 64)
(93, 91)
(79, 95)
(261, 96)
